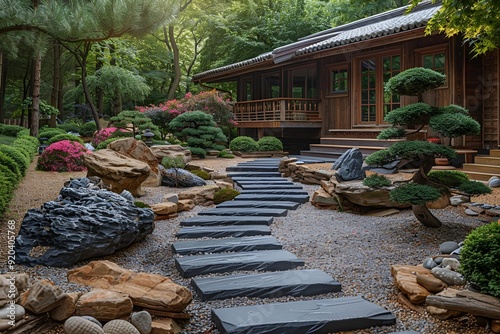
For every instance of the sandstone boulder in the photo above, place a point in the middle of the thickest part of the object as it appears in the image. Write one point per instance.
(12, 284)
(405, 278)
(172, 151)
(118, 170)
(185, 205)
(42, 297)
(165, 326)
(322, 199)
(66, 307)
(145, 290)
(199, 195)
(431, 283)
(136, 149)
(164, 208)
(104, 305)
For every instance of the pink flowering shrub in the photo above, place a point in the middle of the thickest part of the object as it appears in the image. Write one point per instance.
(102, 135)
(62, 156)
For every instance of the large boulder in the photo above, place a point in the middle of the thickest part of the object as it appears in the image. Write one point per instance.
(136, 149)
(118, 170)
(82, 223)
(172, 151)
(180, 178)
(349, 166)
(146, 290)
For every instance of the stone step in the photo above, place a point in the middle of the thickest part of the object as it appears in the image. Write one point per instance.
(311, 316)
(226, 220)
(275, 191)
(259, 204)
(244, 244)
(247, 212)
(252, 168)
(236, 231)
(265, 182)
(253, 174)
(271, 260)
(269, 179)
(272, 197)
(270, 186)
(297, 283)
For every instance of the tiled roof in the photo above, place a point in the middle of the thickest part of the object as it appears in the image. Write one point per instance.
(384, 24)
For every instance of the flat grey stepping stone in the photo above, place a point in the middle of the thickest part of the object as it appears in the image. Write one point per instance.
(254, 174)
(245, 244)
(247, 212)
(271, 260)
(258, 178)
(222, 231)
(405, 332)
(272, 197)
(311, 316)
(270, 186)
(259, 204)
(226, 220)
(255, 182)
(275, 191)
(267, 285)
(253, 168)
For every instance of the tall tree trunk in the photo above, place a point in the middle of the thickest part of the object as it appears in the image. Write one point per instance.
(117, 100)
(177, 66)
(35, 107)
(54, 96)
(86, 92)
(99, 93)
(3, 83)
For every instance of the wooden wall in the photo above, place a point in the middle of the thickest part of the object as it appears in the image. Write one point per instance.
(490, 95)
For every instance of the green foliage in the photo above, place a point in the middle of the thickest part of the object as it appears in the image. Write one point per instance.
(225, 154)
(50, 132)
(480, 258)
(453, 125)
(225, 194)
(473, 188)
(11, 164)
(69, 127)
(105, 143)
(454, 109)
(176, 162)
(10, 130)
(412, 150)
(391, 132)
(45, 108)
(414, 81)
(21, 160)
(243, 144)
(415, 194)
(270, 143)
(376, 181)
(415, 113)
(88, 129)
(142, 205)
(448, 178)
(65, 136)
(201, 173)
(134, 119)
(199, 131)
(380, 158)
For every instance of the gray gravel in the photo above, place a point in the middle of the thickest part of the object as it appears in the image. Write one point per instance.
(356, 250)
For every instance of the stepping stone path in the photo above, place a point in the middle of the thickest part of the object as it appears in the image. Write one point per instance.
(237, 237)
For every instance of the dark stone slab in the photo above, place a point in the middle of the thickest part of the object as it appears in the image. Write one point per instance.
(405, 332)
(252, 168)
(272, 260)
(222, 231)
(266, 212)
(267, 285)
(269, 179)
(265, 182)
(259, 204)
(245, 244)
(226, 220)
(270, 186)
(272, 197)
(254, 174)
(275, 191)
(311, 316)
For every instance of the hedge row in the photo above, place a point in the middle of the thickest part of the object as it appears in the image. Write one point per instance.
(14, 161)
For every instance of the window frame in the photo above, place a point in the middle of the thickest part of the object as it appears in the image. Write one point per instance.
(434, 50)
(337, 68)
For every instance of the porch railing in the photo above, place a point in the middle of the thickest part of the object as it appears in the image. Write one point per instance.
(278, 109)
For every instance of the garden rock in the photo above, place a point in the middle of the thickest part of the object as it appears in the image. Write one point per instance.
(82, 223)
(165, 326)
(150, 291)
(104, 305)
(431, 283)
(494, 182)
(458, 199)
(470, 212)
(136, 149)
(429, 263)
(454, 264)
(441, 313)
(171, 151)
(406, 281)
(448, 246)
(180, 178)
(42, 297)
(164, 209)
(349, 166)
(200, 195)
(66, 308)
(450, 277)
(20, 283)
(142, 321)
(118, 170)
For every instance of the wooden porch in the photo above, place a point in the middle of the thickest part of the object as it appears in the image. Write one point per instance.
(278, 113)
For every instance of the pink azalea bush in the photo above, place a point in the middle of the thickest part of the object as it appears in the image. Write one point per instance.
(63, 156)
(102, 135)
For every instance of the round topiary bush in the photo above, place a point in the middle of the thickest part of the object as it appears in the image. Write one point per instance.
(243, 144)
(270, 143)
(65, 136)
(50, 132)
(88, 129)
(63, 156)
(413, 193)
(480, 258)
(225, 194)
(376, 181)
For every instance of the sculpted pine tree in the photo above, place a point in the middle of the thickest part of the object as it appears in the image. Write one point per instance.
(423, 188)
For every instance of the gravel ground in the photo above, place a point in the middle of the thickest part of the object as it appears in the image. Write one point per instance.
(356, 250)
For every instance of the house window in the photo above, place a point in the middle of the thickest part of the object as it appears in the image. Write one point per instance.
(339, 81)
(271, 85)
(304, 83)
(435, 61)
(372, 73)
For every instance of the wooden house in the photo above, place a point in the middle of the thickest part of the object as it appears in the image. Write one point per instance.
(329, 86)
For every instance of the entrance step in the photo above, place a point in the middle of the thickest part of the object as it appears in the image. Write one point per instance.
(265, 182)
(311, 316)
(226, 220)
(275, 191)
(252, 168)
(259, 204)
(245, 244)
(253, 174)
(272, 260)
(272, 197)
(269, 179)
(247, 212)
(297, 283)
(236, 231)
(270, 186)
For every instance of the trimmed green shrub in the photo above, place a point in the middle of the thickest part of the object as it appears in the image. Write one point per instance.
(105, 143)
(201, 173)
(198, 151)
(415, 113)
(243, 144)
(270, 143)
(413, 193)
(225, 194)
(414, 81)
(453, 125)
(480, 258)
(449, 178)
(391, 132)
(473, 188)
(11, 164)
(17, 156)
(63, 156)
(65, 136)
(70, 127)
(9, 175)
(226, 155)
(50, 132)
(376, 181)
(169, 162)
(10, 130)
(88, 129)
(140, 204)
(6, 189)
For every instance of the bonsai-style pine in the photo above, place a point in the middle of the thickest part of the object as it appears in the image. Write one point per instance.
(450, 121)
(134, 120)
